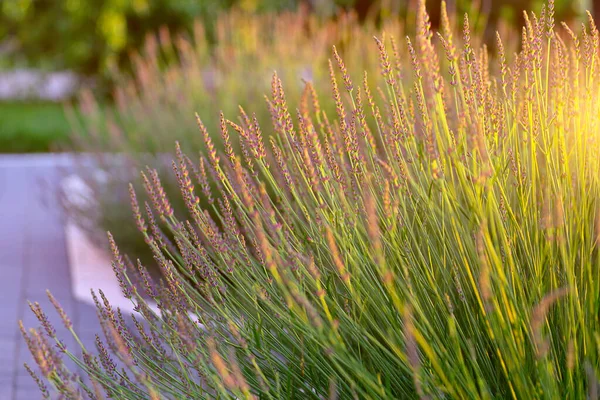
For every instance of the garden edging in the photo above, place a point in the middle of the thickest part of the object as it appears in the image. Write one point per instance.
(89, 265)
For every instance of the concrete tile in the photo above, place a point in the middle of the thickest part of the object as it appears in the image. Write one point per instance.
(28, 393)
(12, 273)
(12, 243)
(11, 293)
(58, 283)
(9, 318)
(33, 257)
(26, 388)
(24, 357)
(7, 372)
(7, 390)
(12, 247)
(8, 354)
(86, 319)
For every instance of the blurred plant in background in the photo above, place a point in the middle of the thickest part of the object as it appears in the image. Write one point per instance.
(93, 37)
(89, 37)
(96, 40)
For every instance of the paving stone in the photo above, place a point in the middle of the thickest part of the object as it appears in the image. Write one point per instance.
(7, 388)
(9, 315)
(12, 246)
(33, 258)
(11, 288)
(57, 283)
(12, 273)
(25, 388)
(22, 355)
(86, 320)
(28, 393)
(8, 353)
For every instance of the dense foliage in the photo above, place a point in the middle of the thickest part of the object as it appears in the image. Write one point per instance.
(158, 105)
(93, 37)
(434, 237)
(175, 75)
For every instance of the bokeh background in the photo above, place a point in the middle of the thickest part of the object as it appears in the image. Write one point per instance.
(92, 44)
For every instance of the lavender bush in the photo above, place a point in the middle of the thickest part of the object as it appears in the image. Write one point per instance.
(439, 242)
(175, 76)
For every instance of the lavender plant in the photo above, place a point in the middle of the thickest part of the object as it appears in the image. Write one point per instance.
(174, 76)
(438, 242)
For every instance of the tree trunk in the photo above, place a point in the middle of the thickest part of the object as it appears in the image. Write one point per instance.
(596, 11)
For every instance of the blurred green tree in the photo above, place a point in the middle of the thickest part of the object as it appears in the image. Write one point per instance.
(88, 36)
(91, 37)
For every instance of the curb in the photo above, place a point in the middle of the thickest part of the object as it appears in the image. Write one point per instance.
(90, 266)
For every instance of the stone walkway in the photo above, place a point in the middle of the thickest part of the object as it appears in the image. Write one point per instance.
(33, 258)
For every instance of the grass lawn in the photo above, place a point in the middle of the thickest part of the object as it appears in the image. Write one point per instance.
(27, 127)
